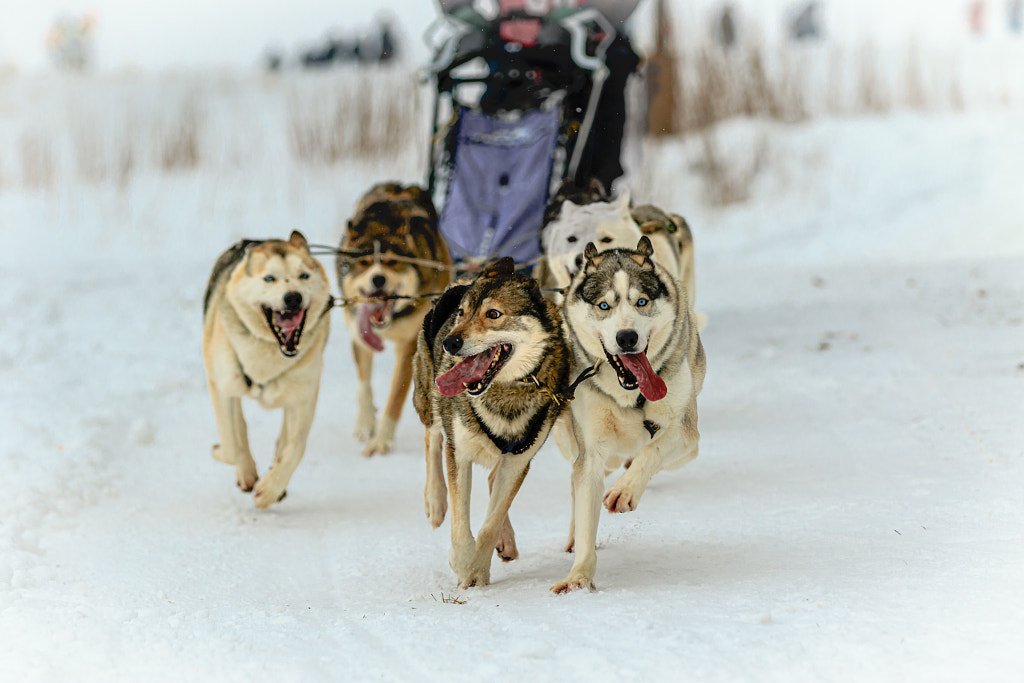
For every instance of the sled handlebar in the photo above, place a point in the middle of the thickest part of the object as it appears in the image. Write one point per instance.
(448, 32)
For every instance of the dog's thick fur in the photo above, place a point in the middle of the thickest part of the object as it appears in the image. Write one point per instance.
(628, 311)
(491, 369)
(390, 221)
(265, 325)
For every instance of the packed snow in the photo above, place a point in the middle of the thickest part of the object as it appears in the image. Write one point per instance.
(856, 512)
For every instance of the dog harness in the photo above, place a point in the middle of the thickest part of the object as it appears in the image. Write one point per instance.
(651, 427)
(521, 445)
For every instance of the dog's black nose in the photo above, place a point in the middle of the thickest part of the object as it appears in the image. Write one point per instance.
(379, 281)
(627, 339)
(452, 344)
(293, 301)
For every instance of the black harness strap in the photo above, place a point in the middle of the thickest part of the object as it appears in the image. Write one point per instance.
(651, 427)
(561, 399)
(524, 443)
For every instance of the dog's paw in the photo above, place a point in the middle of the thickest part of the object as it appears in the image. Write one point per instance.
(471, 565)
(383, 439)
(506, 547)
(223, 455)
(363, 431)
(474, 578)
(366, 419)
(246, 482)
(435, 509)
(267, 492)
(621, 499)
(574, 582)
(378, 446)
(246, 475)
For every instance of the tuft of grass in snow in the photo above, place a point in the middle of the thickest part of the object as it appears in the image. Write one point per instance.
(449, 599)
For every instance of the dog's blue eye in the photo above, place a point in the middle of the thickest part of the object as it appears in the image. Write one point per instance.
(269, 278)
(603, 306)
(304, 276)
(641, 302)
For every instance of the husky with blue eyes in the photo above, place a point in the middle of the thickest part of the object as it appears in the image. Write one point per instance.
(631, 318)
(265, 326)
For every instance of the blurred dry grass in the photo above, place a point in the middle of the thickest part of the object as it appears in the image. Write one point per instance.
(38, 159)
(791, 83)
(359, 118)
(178, 138)
(113, 130)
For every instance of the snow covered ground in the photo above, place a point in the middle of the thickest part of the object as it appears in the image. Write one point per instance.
(857, 511)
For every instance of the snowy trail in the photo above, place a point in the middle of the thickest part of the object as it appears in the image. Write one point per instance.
(856, 512)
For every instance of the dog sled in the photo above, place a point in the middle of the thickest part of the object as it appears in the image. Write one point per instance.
(516, 95)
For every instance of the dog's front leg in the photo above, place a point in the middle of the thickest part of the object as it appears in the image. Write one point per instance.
(384, 436)
(587, 487)
(233, 448)
(506, 543)
(567, 440)
(366, 414)
(509, 474)
(291, 446)
(675, 445)
(435, 493)
(460, 486)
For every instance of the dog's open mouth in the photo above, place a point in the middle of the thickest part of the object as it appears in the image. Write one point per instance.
(287, 328)
(474, 374)
(373, 316)
(635, 372)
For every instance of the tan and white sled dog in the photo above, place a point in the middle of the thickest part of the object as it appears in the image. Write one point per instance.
(491, 371)
(265, 325)
(625, 310)
(578, 217)
(394, 231)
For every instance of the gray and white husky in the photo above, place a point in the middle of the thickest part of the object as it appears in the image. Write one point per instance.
(631, 315)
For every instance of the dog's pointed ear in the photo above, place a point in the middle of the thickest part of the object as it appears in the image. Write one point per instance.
(597, 190)
(503, 266)
(593, 257)
(298, 240)
(644, 250)
(246, 247)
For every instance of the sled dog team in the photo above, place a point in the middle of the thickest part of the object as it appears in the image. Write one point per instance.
(601, 351)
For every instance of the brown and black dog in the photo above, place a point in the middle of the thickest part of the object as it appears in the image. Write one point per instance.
(491, 371)
(388, 248)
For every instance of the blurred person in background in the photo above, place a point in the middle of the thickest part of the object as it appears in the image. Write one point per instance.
(70, 42)
(602, 154)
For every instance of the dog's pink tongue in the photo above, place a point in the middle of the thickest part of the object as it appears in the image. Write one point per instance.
(473, 369)
(288, 323)
(367, 312)
(651, 386)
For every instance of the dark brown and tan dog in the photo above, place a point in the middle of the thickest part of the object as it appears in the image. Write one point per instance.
(491, 373)
(394, 235)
